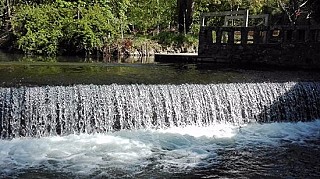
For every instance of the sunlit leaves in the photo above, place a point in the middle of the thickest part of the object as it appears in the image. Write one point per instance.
(37, 29)
(57, 26)
(151, 14)
(48, 29)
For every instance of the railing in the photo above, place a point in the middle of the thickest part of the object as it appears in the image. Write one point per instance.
(242, 15)
(258, 35)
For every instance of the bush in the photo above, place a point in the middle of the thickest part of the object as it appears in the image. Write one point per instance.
(37, 29)
(91, 31)
(48, 29)
(176, 39)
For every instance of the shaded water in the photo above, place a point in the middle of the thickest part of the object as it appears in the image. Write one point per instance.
(30, 71)
(115, 120)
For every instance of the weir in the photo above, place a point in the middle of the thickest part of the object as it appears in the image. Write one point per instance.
(63, 110)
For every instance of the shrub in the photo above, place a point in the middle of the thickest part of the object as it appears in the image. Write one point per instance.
(37, 29)
(48, 29)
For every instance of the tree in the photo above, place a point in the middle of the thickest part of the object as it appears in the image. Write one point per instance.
(314, 10)
(63, 27)
(6, 14)
(142, 18)
(185, 10)
(295, 8)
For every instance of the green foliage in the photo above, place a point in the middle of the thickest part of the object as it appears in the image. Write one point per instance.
(29, 58)
(91, 30)
(38, 29)
(48, 29)
(2, 12)
(153, 14)
(51, 27)
(176, 39)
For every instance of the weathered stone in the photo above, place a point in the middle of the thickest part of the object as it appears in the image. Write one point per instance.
(287, 46)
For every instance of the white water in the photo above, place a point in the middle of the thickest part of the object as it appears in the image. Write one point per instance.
(129, 130)
(129, 153)
(59, 110)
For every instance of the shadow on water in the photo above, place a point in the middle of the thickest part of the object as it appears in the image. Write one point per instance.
(287, 159)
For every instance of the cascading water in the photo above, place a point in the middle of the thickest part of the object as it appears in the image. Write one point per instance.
(60, 110)
(254, 130)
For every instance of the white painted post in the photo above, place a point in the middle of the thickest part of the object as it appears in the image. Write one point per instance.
(203, 20)
(246, 18)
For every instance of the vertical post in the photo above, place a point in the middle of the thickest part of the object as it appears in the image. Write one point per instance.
(231, 36)
(246, 18)
(8, 16)
(311, 35)
(185, 22)
(314, 35)
(147, 54)
(218, 36)
(244, 35)
(295, 35)
(121, 29)
(158, 18)
(256, 36)
(226, 21)
(268, 35)
(208, 40)
(266, 19)
(203, 20)
(307, 35)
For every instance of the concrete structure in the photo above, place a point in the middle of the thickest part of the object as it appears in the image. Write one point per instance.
(291, 46)
(283, 46)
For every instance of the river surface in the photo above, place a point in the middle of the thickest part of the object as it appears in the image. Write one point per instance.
(221, 149)
(277, 150)
(18, 70)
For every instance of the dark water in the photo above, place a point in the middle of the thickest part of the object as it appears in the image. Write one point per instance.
(218, 150)
(18, 70)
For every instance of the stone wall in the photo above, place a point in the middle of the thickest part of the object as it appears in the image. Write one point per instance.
(278, 46)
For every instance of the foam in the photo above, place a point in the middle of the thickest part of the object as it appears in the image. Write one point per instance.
(134, 151)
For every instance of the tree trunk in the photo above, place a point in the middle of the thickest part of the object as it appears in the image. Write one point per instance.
(7, 16)
(185, 8)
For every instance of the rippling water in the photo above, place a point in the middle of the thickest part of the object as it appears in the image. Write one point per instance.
(221, 150)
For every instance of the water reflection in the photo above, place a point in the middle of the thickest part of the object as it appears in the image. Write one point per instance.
(133, 59)
(14, 57)
(19, 70)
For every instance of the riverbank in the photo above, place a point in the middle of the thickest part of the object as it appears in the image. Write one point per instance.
(149, 46)
(134, 46)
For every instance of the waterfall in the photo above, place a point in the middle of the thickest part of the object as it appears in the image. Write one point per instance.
(63, 110)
